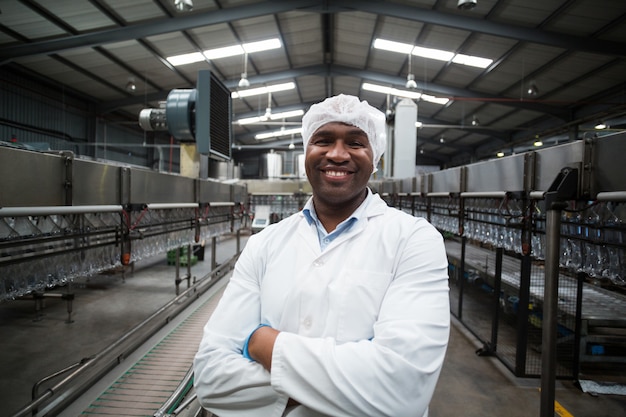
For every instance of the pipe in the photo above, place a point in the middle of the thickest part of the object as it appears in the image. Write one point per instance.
(57, 210)
(537, 195)
(160, 206)
(612, 196)
(483, 194)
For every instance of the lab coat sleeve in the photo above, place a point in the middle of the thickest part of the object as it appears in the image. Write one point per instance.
(395, 373)
(224, 380)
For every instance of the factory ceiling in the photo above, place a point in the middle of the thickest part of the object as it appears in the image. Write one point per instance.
(552, 69)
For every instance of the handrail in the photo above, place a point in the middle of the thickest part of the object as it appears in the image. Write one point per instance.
(57, 210)
(611, 196)
(179, 393)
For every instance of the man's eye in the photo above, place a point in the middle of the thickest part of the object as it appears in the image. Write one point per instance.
(321, 141)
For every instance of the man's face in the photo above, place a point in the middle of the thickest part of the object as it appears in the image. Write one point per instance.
(338, 162)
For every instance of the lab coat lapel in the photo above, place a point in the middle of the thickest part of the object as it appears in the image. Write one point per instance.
(307, 238)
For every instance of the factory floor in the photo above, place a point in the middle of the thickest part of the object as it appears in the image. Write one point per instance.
(34, 345)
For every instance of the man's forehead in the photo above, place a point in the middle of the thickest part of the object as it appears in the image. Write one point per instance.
(327, 127)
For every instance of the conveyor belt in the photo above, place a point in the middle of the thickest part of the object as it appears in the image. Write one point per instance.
(151, 381)
(598, 304)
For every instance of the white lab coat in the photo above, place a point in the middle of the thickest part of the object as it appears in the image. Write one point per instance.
(364, 324)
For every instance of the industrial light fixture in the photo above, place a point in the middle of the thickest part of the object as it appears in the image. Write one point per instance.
(472, 61)
(183, 5)
(432, 53)
(263, 90)
(225, 52)
(291, 145)
(538, 143)
(442, 140)
(131, 87)
(278, 133)
(410, 78)
(500, 154)
(268, 109)
(273, 116)
(600, 126)
(475, 121)
(532, 89)
(404, 93)
(466, 4)
(244, 83)
(391, 91)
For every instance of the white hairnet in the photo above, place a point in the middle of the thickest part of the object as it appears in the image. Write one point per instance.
(350, 110)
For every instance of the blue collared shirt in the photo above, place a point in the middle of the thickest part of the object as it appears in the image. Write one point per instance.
(324, 237)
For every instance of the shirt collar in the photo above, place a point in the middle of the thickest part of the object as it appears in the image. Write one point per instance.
(358, 214)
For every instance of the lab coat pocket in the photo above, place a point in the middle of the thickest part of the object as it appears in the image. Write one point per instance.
(359, 299)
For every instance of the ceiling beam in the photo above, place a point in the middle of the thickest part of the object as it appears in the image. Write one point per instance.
(480, 25)
(325, 70)
(213, 17)
(152, 28)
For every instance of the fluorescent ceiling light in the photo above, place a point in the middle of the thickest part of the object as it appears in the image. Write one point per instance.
(437, 54)
(185, 59)
(259, 46)
(391, 91)
(225, 51)
(263, 90)
(433, 99)
(404, 93)
(403, 48)
(278, 133)
(273, 116)
(472, 61)
(431, 53)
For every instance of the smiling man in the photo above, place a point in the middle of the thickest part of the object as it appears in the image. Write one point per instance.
(341, 309)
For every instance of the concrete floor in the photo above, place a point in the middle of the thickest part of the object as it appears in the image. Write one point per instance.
(108, 305)
(479, 386)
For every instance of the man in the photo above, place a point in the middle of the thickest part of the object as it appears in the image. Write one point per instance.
(341, 309)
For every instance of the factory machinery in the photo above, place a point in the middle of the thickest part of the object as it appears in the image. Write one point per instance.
(535, 241)
(62, 217)
(537, 251)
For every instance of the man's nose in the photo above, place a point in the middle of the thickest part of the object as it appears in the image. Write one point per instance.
(338, 151)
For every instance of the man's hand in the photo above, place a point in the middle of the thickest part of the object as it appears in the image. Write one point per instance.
(261, 346)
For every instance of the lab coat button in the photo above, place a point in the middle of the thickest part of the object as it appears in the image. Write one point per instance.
(306, 323)
(318, 263)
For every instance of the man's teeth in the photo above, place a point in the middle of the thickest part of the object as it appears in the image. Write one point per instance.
(335, 173)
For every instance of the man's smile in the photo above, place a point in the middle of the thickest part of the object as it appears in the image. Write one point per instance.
(336, 174)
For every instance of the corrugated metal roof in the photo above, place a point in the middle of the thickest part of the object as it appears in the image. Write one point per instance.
(573, 50)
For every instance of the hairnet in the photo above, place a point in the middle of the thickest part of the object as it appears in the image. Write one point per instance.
(350, 110)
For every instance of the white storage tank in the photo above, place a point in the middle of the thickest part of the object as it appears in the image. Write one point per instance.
(271, 165)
